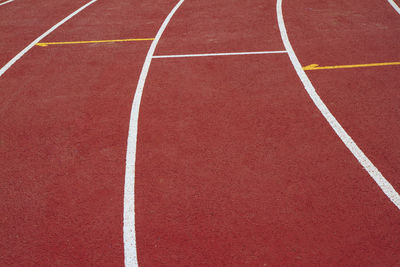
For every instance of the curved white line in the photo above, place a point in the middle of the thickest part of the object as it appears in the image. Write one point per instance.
(394, 5)
(129, 194)
(386, 187)
(37, 40)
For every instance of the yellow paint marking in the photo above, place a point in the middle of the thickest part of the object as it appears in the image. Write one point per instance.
(317, 67)
(93, 42)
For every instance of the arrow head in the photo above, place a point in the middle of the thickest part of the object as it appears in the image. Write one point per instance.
(310, 67)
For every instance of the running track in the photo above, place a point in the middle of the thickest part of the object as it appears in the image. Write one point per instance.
(235, 164)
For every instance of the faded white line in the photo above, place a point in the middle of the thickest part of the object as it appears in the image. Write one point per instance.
(6, 2)
(394, 5)
(129, 194)
(221, 54)
(37, 40)
(386, 187)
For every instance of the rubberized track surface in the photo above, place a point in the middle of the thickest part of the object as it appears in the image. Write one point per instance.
(235, 165)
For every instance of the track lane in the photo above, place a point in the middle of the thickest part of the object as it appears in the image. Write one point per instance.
(270, 204)
(112, 26)
(64, 122)
(243, 29)
(365, 162)
(225, 177)
(364, 100)
(38, 39)
(349, 33)
(23, 21)
(233, 170)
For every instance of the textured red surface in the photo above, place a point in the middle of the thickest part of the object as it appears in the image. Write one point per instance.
(222, 26)
(235, 164)
(364, 100)
(64, 122)
(23, 21)
(237, 167)
(232, 172)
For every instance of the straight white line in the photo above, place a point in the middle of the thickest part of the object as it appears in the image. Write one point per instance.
(394, 5)
(37, 40)
(129, 194)
(6, 2)
(386, 187)
(221, 54)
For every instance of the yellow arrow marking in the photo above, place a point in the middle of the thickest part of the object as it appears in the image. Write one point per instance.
(317, 67)
(93, 42)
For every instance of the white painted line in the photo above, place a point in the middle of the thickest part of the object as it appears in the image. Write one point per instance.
(222, 54)
(386, 187)
(394, 5)
(6, 2)
(37, 40)
(129, 194)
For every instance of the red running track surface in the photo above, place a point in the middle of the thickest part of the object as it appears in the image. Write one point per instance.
(64, 122)
(364, 100)
(235, 164)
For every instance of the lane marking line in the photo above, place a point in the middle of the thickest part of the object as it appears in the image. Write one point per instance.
(6, 2)
(221, 54)
(386, 187)
(394, 5)
(129, 190)
(94, 42)
(37, 40)
(317, 67)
